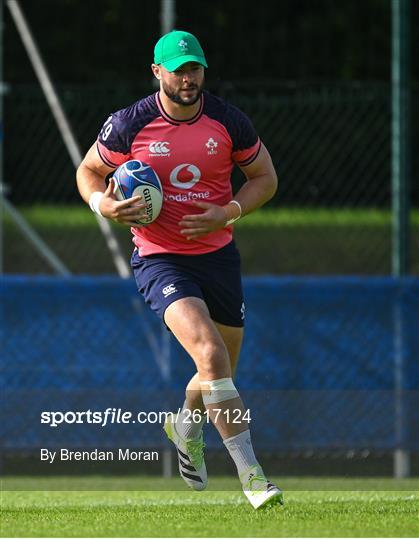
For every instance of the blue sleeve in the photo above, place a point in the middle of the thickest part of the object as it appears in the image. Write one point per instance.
(240, 128)
(114, 136)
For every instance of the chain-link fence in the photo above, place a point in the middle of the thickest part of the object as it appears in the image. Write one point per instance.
(330, 145)
(327, 365)
(317, 367)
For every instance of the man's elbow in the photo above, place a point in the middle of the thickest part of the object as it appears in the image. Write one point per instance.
(81, 169)
(79, 174)
(82, 179)
(272, 185)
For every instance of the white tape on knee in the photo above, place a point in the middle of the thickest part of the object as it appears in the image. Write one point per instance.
(218, 391)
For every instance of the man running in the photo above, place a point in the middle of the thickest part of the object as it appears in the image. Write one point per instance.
(186, 264)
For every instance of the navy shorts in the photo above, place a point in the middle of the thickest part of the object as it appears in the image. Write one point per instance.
(215, 277)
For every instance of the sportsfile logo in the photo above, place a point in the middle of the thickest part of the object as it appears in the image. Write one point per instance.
(168, 290)
(159, 148)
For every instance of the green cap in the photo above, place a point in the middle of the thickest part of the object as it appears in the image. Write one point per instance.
(176, 48)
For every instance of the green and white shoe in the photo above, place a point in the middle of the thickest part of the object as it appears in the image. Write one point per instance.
(260, 492)
(190, 456)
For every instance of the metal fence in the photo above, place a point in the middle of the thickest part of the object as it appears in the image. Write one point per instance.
(330, 145)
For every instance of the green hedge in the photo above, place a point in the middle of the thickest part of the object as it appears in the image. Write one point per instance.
(285, 241)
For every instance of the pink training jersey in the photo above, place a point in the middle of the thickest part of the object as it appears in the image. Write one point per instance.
(193, 159)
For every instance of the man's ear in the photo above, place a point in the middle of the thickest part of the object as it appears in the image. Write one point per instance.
(155, 68)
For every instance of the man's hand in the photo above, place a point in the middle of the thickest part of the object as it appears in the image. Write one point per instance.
(196, 225)
(124, 212)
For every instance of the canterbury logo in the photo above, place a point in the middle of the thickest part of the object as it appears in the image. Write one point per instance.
(168, 290)
(159, 148)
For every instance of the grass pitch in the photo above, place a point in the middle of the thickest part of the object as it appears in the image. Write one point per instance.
(313, 507)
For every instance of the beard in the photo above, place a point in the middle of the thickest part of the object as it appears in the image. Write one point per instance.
(177, 98)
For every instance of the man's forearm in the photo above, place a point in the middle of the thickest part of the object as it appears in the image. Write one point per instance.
(88, 182)
(256, 192)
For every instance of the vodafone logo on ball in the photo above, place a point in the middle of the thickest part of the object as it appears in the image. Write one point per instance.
(159, 148)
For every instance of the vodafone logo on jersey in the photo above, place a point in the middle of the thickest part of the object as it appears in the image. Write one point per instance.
(185, 176)
(159, 148)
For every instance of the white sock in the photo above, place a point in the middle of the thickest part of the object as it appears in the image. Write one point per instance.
(186, 424)
(241, 450)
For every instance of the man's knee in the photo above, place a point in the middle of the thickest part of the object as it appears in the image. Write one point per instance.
(218, 391)
(213, 361)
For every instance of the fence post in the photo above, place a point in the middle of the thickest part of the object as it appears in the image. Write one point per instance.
(400, 206)
(2, 88)
(167, 23)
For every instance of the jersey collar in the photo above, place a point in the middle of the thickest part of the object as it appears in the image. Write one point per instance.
(174, 121)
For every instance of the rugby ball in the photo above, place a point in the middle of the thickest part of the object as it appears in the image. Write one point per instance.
(134, 178)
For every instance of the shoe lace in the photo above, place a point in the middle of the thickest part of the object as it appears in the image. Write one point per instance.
(195, 450)
(248, 486)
